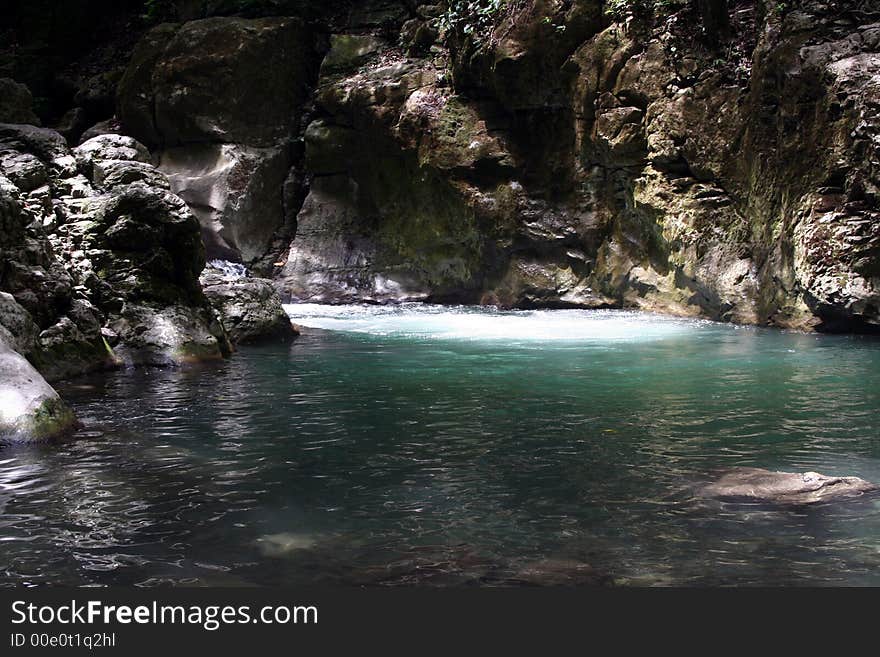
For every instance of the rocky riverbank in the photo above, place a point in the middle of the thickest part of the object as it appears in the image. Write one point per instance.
(100, 268)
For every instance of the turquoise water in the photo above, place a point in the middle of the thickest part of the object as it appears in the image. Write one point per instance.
(457, 446)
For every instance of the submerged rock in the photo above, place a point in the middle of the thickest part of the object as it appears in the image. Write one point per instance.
(759, 485)
(559, 572)
(30, 410)
(285, 543)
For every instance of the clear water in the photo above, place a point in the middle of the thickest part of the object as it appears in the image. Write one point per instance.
(455, 446)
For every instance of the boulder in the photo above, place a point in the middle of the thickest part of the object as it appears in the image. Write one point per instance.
(144, 243)
(108, 147)
(110, 174)
(27, 172)
(16, 103)
(234, 190)
(248, 308)
(30, 410)
(100, 248)
(48, 145)
(220, 99)
(168, 335)
(108, 127)
(218, 80)
(788, 488)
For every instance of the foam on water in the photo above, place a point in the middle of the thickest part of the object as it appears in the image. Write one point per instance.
(482, 323)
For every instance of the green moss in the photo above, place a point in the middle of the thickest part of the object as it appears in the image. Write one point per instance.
(197, 352)
(51, 419)
(605, 44)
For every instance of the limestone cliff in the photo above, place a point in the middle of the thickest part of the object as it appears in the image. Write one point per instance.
(532, 153)
(567, 159)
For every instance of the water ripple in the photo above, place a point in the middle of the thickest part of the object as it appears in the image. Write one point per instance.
(428, 445)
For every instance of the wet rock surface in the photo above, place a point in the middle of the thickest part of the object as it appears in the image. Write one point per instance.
(786, 488)
(248, 308)
(30, 410)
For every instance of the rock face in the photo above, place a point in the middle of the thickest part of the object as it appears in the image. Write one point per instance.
(30, 410)
(94, 239)
(42, 314)
(234, 190)
(758, 485)
(221, 100)
(574, 161)
(381, 222)
(217, 80)
(248, 308)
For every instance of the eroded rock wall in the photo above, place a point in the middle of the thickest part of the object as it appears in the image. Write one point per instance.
(219, 100)
(571, 160)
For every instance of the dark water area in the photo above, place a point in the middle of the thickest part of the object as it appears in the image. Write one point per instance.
(457, 447)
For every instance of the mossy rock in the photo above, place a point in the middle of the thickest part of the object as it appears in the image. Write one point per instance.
(30, 410)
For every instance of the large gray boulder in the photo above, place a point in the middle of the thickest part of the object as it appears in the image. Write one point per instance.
(789, 488)
(30, 410)
(167, 335)
(220, 101)
(248, 308)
